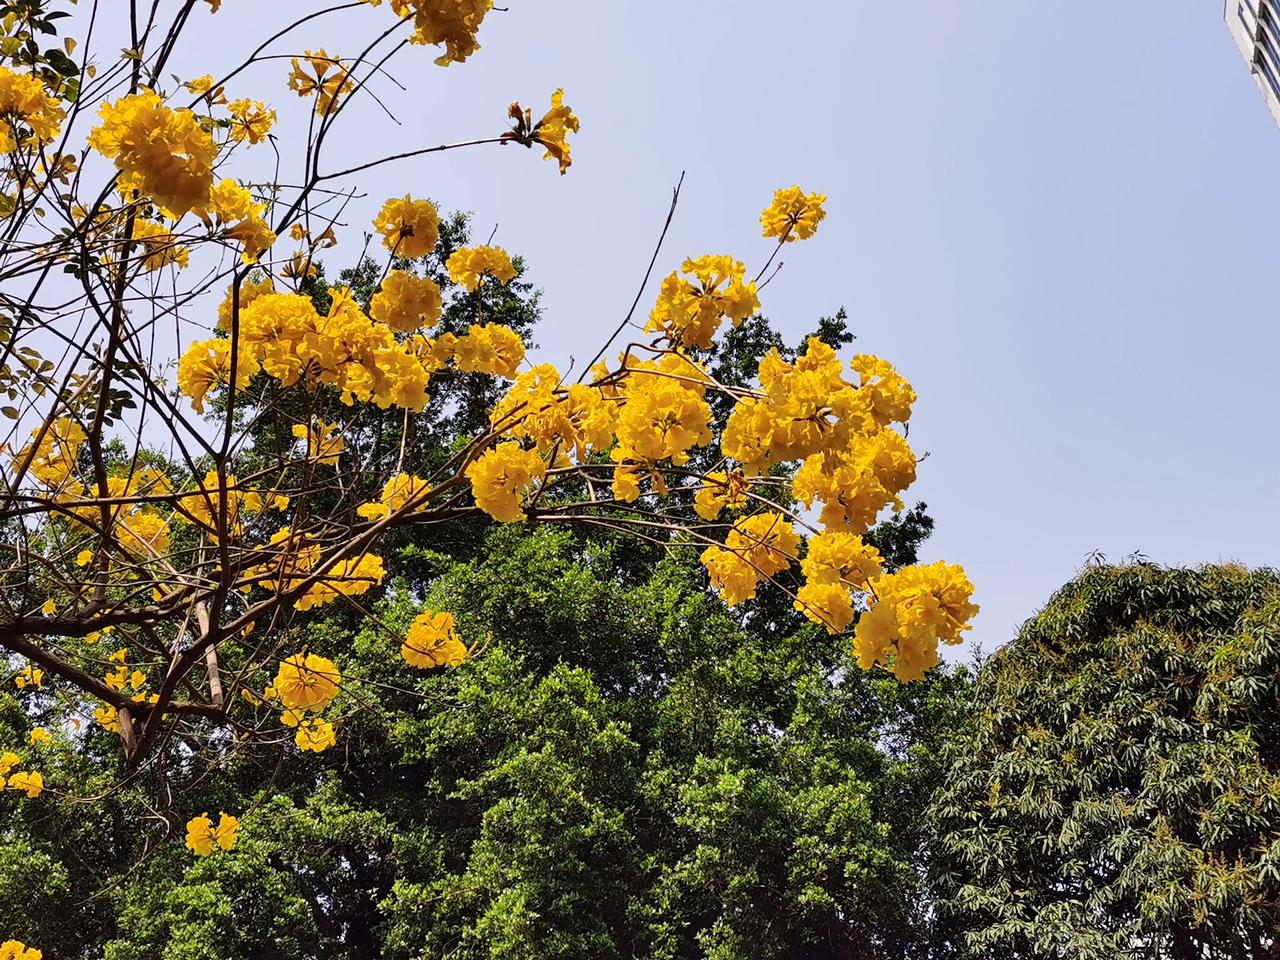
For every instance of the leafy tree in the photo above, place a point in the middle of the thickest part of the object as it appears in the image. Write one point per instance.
(1116, 792)
(244, 512)
(627, 769)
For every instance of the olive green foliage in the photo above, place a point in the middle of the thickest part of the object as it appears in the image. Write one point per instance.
(1117, 792)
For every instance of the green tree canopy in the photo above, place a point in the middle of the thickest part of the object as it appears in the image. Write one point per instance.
(626, 768)
(1116, 793)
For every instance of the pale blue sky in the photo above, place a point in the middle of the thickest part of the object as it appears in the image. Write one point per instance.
(1059, 221)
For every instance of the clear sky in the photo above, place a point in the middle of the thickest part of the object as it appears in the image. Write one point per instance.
(1061, 222)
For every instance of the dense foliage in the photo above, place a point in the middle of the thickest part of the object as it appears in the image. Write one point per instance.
(628, 770)
(1116, 792)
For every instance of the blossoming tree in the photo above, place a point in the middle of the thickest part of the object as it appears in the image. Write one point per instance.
(156, 556)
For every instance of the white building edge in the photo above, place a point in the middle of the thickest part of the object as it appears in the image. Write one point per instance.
(1255, 25)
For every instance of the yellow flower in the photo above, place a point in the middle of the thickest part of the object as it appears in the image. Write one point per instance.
(306, 681)
(53, 460)
(551, 131)
(491, 348)
(25, 105)
(202, 835)
(314, 734)
(720, 490)
(250, 120)
(162, 153)
(452, 23)
(29, 677)
(578, 418)
(159, 246)
(202, 86)
(886, 395)
(39, 735)
(250, 290)
(731, 576)
(915, 608)
(757, 547)
(8, 761)
(17, 950)
(402, 490)
(254, 235)
(84, 558)
(500, 476)
(326, 78)
(836, 556)
(854, 487)
(468, 264)
(324, 444)
(829, 605)
(30, 783)
(690, 312)
(406, 302)
(49, 607)
(665, 413)
(107, 718)
(433, 642)
(206, 364)
(793, 215)
(408, 227)
(345, 578)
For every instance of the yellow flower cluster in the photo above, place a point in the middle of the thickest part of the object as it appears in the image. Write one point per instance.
(855, 486)
(836, 563)
(758, 547)
(720, 490)
(433, 642)
(348, 578)
(29, 676)
(282, 334)
(206, 365)
(887, 396)
(121, 678)
(27, 111)
(793, 215)
(159, 246)
(321, 76)
(402, 490)
(467, 265)
(221, 501)
(108, 718)
(251, 120)
(250, 290)
(491, 348)
(315, 735)
(500, 476)
(24, 781)
(137, 527)
(409, 227)
(451, 23)
(576, 419)
(914, 609)
(52, 460)
(406, 302)
(167, 155)
(203, 836)
(690, 311)
(324, 445)
(17, 950)
(663, 415)
(162, 153)
(307, 683)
